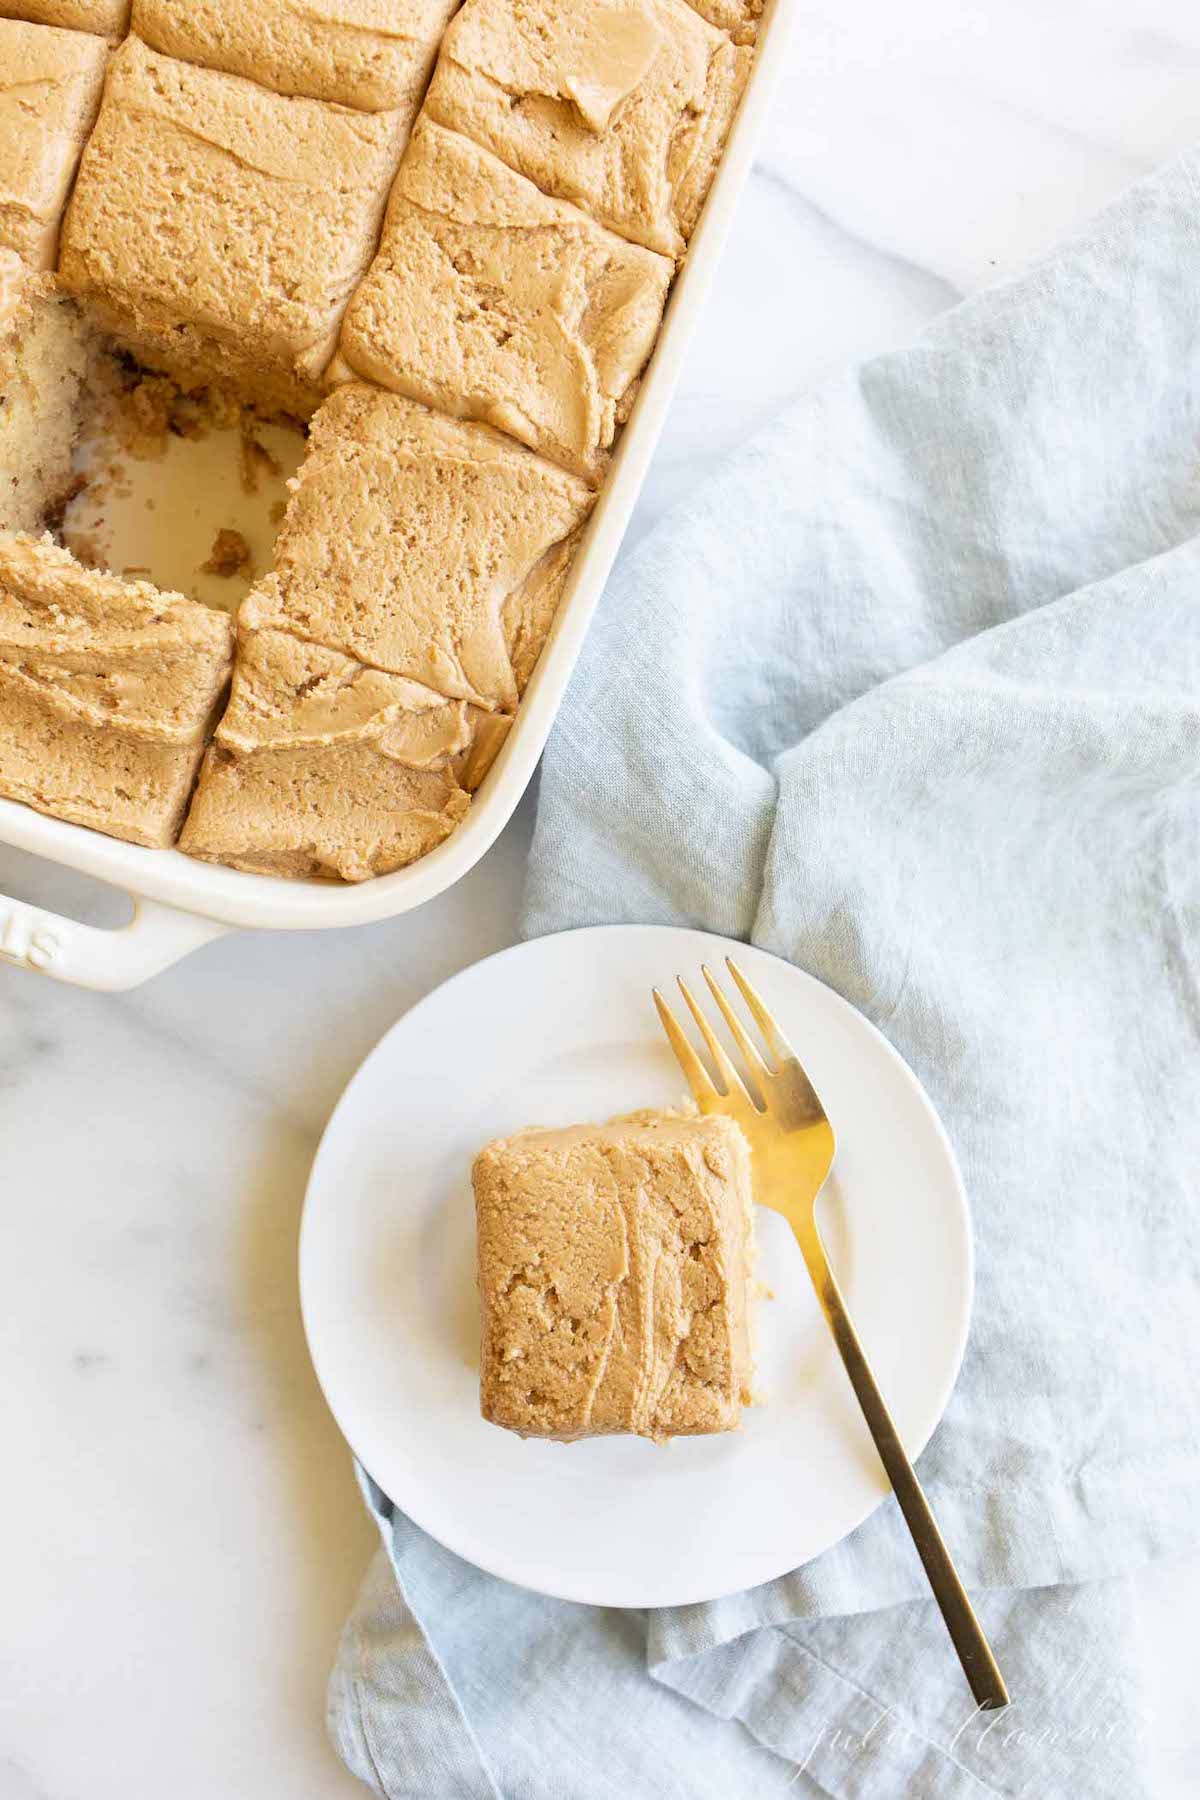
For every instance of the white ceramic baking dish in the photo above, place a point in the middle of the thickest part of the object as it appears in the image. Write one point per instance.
(180, 904)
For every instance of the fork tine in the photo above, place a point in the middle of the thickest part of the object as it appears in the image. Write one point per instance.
(781, 1050)
(725, 1069)
(695, 1073)
(754, 1058)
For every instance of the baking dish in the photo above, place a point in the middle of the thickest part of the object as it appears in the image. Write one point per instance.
(180, 904)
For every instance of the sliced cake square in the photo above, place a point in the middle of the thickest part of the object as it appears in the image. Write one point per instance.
(423, 545)
(321, 767)
(373, 54)
(217, 229)
(622, 106)
(614, 1272)
(107, 689)
(492, 301)
(50, 84)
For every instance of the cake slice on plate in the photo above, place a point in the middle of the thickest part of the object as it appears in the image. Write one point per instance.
(614, 1278)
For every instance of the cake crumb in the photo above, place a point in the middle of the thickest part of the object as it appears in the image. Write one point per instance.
(257, 462)
(146, 417)
(230, 555)
(86, 548)
(141, 410)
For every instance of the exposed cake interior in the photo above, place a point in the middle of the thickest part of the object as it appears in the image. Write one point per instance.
(77, 417)
(47, 354)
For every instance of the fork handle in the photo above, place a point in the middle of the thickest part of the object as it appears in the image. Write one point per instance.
(966, 1633)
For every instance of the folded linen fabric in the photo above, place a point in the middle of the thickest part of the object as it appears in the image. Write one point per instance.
(928, 724)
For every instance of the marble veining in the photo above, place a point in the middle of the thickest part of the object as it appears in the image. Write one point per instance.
(181, 1535)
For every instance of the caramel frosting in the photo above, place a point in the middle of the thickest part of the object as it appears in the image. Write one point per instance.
(622, 106)
(14, 279)
(738, 17)
(489, 734)
(371, 54)
(321, 767)
(423, 545)
(491, 301)
(298, 695)
(614, 1264)
(109, 652)
(50, 83)
(107, 18)
(107, 688)
(208, 208)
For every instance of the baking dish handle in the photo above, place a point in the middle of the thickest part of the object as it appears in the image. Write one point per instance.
(89, 956)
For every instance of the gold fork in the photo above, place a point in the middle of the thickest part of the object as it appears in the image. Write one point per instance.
(792, 1147)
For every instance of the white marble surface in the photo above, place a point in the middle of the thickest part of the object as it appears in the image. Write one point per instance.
(180, 1534)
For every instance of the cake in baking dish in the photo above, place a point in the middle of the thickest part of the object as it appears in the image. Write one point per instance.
(438, 238)
(107, 691)
(614, 1267)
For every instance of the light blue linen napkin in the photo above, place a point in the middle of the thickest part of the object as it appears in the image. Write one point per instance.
(909, 693)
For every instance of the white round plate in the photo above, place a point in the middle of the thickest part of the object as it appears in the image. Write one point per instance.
(550, 1033)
